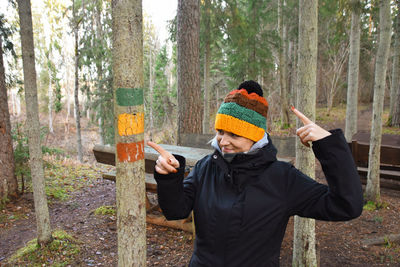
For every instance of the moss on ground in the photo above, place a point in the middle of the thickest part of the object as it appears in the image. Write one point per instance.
(60, 252)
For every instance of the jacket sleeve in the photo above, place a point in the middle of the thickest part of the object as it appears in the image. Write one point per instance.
(342, 199)
(175, 193)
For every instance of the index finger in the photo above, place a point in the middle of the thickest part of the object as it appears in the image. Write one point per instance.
(164, 153)
(301, 116)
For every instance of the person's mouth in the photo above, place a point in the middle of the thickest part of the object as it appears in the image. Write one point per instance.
(227, 150)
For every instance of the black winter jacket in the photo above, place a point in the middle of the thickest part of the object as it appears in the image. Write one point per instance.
(241, 209)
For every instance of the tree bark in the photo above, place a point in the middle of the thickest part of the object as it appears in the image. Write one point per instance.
(99, 66)
(32, 123)
(353, 69)
(283, 67)
(189, 93)
(151, 89)
(304, 251)
(50, 106)
(373, 188)
(129, 131)
(8, 180)
(207, 59)
(394, 115)
(76, 91)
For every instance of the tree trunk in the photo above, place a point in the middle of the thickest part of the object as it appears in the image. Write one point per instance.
(293, 71)
(304, 251)
(50, 106)
(129, 131)
(394, 115)
(207, 62)
(8, 180)
(99, 66)
(353, 69)
(373, 188)
(32, 123)
(283, 67)
(189, 93)
(77, 112)
(207, 59)
(151, 85)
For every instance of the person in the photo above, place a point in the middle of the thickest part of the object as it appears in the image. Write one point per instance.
(242, 196)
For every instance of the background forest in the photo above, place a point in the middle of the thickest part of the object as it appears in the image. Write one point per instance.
(239, 40)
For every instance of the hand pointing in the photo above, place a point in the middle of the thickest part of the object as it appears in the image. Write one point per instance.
(310, 131)
(166, 162)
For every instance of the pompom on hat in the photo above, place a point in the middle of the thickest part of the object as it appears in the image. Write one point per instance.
(244, 112)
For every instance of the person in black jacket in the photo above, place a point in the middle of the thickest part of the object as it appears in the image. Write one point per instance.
(242, 196)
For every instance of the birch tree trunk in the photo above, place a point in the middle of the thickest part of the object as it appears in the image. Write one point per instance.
(394, 115)
(77, 112)
(8, 180)
(129, 131)
(353, 69)
(304, 251)
(283, 67)
(372, 190)
(32, 123)
(189, 93)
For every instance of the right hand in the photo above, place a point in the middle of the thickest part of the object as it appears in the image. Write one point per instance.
(166, 162)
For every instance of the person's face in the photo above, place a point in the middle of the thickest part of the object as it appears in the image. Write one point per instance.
(232, 143)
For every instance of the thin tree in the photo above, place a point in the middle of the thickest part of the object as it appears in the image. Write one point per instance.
(189, 93)
(304, 252)
(207, 63)
(32, 123)
(8, 180)
(127, 66)
(99, 67)
(394, 114)
(372, 190)
(353, 69)
(284, 92)
(76, 22)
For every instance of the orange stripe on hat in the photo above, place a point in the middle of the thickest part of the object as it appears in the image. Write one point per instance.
(250, 96)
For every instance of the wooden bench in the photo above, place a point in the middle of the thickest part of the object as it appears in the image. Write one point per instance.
(389, 159)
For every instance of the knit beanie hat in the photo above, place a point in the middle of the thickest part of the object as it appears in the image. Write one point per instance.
(244, 112)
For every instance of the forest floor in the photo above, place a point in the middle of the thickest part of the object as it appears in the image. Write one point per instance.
(338, 243)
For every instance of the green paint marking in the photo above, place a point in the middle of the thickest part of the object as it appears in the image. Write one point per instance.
(129, 96)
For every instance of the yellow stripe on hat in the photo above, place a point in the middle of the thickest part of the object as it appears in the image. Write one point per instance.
(238, 127)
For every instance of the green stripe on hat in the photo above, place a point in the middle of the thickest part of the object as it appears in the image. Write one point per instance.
(242, 113)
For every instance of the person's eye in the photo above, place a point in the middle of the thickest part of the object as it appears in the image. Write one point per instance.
(234, 135)
(220, 132)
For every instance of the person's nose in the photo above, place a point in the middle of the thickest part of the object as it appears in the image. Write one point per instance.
(225, 140)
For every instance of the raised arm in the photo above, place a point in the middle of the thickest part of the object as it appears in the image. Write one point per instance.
(342, 199)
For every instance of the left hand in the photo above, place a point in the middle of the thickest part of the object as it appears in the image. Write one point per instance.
(310, 131)
(166, 162)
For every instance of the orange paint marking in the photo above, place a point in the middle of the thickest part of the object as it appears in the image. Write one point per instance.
(130, 152)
